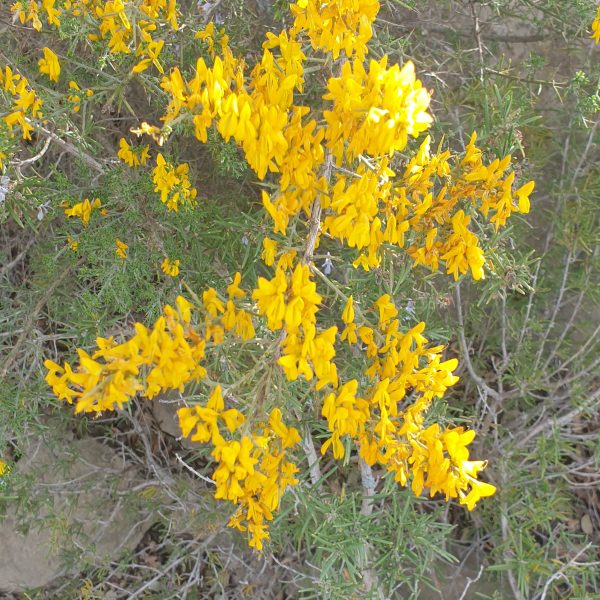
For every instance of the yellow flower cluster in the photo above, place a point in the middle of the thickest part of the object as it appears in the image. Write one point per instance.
(49, 65)
(146, 129)
(236, 320)
(352, 210)
(153, 360)
(149, 55)
(83, 210)
(116, 27)
(131, 156)
(370, 207)
(29, 11)
(289, 301)
(170, 267)
(232, 318)
(3, 468)
(256, 114)
(337, 25)
(74, 97)
(172, 183)
(334, 167)
(349, 332)
(437, 216)
(259, 114)
(26, 104)
(252, 471)
(373, 112)
(388, 423)
(121, 249)
(73, 244)
(286, 259)
(117, 21)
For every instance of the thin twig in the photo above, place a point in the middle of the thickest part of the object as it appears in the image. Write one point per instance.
(507, 75)
(8, 266)
(315, 216)
(560, 572)
(311, 240)
(470, 582)
(557, 305)
(505, 534)
(312, 457)
(585, 153)
(22, 163)
(193, 471)
(70, 148)
(565, 330)
(494, 37)
(477, 32)
(369, 574)
(558, 421)
(465, 350)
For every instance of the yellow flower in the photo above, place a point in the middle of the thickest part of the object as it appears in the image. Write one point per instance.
(170, 267)
(151, 52)
(73, 244)
(349, 332)
(26, 104)
(205, 420)
(121, 249)
(269, 251)
(131, 157)
(386, 309)
(212, 303)
(348, 313)
(462, 251)
(52, 13)
(234, 290)
(151, 130)
(346, 415)
(479, 489)
(596, 28)
(244, 327)
(83, 210)
(270, 298)
(376, 110)
(49, 65)
(523, 194)
(289, 436)
(172, 183)
(33, 15)
(286, 260)
(74, 98)
(337, 25)
(3, 468)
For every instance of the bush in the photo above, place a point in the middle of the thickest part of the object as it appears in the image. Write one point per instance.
(286, 217)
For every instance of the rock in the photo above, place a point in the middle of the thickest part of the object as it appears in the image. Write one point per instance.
(164, 409)
(586, 524)
(79, 490)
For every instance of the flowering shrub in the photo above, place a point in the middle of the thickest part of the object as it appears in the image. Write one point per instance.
(346, 172)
